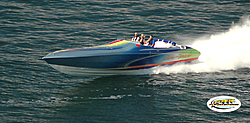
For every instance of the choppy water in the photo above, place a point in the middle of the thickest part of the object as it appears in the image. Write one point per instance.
(32, 91)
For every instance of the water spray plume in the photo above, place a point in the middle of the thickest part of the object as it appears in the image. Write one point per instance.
(224, 51)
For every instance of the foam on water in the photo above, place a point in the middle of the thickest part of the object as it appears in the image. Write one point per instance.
(223, 51)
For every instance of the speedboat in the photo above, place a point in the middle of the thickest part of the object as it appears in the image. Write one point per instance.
(120, 57)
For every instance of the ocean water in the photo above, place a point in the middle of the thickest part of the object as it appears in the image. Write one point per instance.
(32, 91)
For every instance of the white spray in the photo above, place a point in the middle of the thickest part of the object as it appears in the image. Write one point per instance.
(224, 51)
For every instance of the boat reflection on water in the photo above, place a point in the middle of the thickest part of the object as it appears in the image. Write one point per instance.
(120, 57)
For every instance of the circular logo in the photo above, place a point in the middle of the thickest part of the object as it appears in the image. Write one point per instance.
(223, 104)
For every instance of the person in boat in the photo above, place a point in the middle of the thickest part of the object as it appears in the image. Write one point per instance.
(150, 40)
(136, 38)
(142, 39)
(153, 42)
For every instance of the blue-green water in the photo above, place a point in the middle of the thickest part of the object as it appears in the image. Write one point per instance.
(32, 91)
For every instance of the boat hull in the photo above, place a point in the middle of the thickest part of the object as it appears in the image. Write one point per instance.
(93, 72)
(128, 59)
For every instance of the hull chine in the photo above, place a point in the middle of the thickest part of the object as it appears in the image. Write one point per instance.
(93, 72)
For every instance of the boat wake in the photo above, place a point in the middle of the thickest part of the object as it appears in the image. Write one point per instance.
(224, 51)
